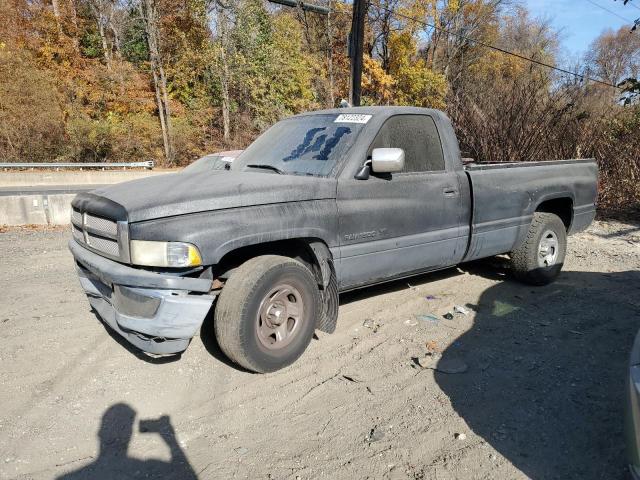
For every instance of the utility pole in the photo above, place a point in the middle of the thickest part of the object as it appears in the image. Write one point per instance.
(356, 46)
(356, 39)
(313, 8)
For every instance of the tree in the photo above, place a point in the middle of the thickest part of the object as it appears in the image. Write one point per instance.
(382, 24)
(122, 79)
(103, 11)
(614, 56)
(224, 25)
(31, 112)
(415, 83)
(377, 85)
(149, 13)
(506, 109)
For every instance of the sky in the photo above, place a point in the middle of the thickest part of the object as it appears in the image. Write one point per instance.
(581, 21)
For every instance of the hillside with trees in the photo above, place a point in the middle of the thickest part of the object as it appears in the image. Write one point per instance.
(124, 80)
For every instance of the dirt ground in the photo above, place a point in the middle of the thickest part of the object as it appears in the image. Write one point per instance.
(539, 388)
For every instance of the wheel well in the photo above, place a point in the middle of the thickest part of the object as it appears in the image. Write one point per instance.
(297, 248)
(562, 207)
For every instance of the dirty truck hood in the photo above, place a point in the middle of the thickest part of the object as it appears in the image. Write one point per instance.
(179, 193)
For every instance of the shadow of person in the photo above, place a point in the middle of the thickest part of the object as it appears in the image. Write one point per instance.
(545, 383)
(113, 462)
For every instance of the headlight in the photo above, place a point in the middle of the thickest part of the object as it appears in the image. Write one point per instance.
(164, 254)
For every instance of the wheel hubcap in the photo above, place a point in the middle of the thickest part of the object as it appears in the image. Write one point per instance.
(279, 317)
(548, 249)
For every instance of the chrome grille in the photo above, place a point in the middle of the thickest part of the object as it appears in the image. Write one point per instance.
(76, 218)
(77, 234)
(101, 226)
(108, 246)
(100, 234)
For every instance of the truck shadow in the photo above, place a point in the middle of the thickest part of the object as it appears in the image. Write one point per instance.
(397, 285)
(136, 352)
(210, 343)
(207, 331)
(547, 369)
(113, 462)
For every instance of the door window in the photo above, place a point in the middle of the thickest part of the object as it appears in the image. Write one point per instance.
(418, 136)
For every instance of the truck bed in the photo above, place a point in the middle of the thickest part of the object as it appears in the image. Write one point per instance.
(473, 166)
(506, 195)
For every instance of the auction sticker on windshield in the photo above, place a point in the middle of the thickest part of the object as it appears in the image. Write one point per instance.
(352, 118)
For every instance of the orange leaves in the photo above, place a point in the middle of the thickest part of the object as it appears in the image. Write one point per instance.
(415, 83)
(377, 86)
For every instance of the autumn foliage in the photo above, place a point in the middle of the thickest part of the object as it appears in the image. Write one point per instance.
(121, 80)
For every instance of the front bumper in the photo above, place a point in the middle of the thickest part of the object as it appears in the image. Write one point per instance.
(158, 313)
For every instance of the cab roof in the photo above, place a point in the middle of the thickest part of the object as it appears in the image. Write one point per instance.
(385, 111)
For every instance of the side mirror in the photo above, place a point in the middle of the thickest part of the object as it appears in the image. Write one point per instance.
(387, 160)
(364, 172)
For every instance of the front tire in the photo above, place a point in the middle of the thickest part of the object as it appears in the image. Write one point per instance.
(266, 313)
(539, 259)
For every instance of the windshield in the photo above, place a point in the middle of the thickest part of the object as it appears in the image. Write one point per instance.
(206, 164)
(308, 145)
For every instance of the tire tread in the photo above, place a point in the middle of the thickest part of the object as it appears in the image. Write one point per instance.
(234, 299)
(524, 258)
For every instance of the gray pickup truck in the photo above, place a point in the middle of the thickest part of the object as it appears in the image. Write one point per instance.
(321, 203)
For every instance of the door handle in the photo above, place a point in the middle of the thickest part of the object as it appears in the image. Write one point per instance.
(450, 192)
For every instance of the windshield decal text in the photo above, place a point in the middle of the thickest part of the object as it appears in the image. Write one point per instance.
(352, 118)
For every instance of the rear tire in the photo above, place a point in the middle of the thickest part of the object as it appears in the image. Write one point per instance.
(266, 313)
(539, 259)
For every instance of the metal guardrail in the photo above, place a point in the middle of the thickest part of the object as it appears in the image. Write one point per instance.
(147, 164)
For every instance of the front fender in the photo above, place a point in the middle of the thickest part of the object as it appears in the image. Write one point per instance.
(219, 232)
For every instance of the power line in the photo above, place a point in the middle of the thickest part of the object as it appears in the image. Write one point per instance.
(633, 5)
(610, 11)
(498, 49)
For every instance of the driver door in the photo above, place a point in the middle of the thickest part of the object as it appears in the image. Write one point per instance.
(396, 224)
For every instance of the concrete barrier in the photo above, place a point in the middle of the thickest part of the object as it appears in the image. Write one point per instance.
(35, 209)
(75, 177)
(58, 208)
(43, 208)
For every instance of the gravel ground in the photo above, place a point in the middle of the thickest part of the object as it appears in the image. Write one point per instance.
(534, 389)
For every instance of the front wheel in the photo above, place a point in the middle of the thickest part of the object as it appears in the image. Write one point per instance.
(266, 313)
(539, 259)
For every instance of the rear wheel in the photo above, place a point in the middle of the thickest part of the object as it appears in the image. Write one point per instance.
(266, 313)
(539, 259)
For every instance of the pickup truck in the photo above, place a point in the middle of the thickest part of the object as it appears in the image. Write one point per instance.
(321, 203)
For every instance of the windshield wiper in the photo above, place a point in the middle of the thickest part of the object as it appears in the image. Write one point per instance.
(267, 167)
